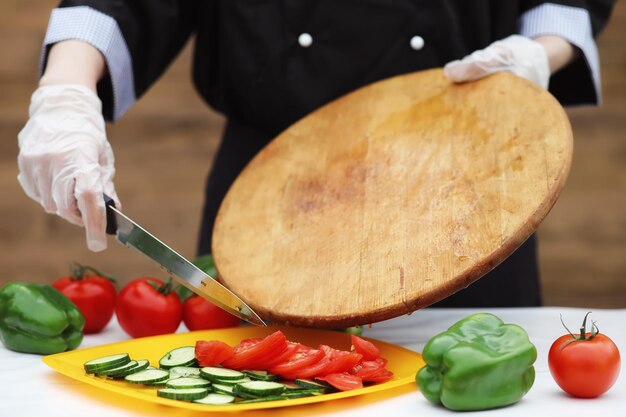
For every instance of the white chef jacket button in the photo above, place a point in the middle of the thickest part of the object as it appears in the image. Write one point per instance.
(417, 42)
(305, 40)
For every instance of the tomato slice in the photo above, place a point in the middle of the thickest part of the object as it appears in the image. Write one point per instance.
(342, 362)
(366, 348)
(383, 375)
(213, 352)
(366, 369)
(303, 357)
(309, 371)
(343, 381)
(289, 351)
(253, 354)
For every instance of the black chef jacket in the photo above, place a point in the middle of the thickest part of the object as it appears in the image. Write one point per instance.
(249, 66)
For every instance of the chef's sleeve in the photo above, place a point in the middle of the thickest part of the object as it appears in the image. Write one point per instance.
(579, 22)
(138, 40)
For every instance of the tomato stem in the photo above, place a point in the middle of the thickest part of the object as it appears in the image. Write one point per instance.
(80, 271)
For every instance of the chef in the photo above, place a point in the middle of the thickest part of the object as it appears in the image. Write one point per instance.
(266, 63)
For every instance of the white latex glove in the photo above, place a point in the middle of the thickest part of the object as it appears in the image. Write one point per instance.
(65, 160)
(517, 54)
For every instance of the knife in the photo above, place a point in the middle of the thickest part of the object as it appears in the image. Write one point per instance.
(130, 234)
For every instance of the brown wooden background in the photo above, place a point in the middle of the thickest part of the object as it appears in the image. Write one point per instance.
(165, 144)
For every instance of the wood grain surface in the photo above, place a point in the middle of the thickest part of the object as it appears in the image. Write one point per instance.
(391, 198)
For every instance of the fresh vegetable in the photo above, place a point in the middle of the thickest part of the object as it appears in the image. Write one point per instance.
(200, 314)
(182, 356)
(93, 293)
(181, 378)
(213, 352)
(147, 307)
(37, 318)
(585, 364)
(478, 363)
(295, 361)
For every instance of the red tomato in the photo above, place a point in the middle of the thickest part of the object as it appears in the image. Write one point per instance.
(584, 367)
(200, 314)
(93, 294)
(340, 360)
(309, 371)
(147, 307)
(255, 355)
(343, 381)
(366, 348)
(365, 369)
(301, 359)
(213, 352)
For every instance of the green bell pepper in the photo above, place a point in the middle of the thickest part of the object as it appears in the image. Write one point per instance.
(477, 364)
(37, 318)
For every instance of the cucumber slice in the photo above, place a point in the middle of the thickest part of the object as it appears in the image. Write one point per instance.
(106, 362)
(301, 393)
(223, 389)
(232, 381)
(261, 375)
(261, 399)
(119, 370)
(189, 394)
(216, 399)
(290, 386)
(187, 382)
(148, 376)
(182, 356)
(259, 388)
(308, 384)
(141, 365)
(213, 373)
(184, 372)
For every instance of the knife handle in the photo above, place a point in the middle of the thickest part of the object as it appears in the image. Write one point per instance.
(111, 222)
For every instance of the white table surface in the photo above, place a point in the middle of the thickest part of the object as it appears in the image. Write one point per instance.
(29, 388)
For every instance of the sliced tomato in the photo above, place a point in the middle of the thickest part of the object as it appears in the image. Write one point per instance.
(342, 362)
(366, 369)
(253, 354)
(382, 375)
(289, 351)
(309, 371)
(303, 357)
(343, 381)
(366, 348)
(213, 352)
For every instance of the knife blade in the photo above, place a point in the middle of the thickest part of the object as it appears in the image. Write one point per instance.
(132, 235)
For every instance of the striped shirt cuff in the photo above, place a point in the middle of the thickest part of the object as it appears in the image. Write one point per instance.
(102, 32)
(570, 23)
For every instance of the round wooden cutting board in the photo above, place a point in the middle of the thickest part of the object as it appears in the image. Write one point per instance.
(391, 198)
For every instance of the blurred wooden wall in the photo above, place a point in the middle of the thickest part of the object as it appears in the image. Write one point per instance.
(164, 147)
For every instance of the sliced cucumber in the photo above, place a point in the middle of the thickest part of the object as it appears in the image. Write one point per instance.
(213, 373)
(261, 399)
(184, 372)
(106, 362)
(187, 382)
(216, 399)
(223, 389)
(189, 394)
(261, 375)
(259, 388)
(290, 386)
(308, 384)
(182, 356)
(232, 381)
(301, 393)
(119, 370)
(148, 376)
